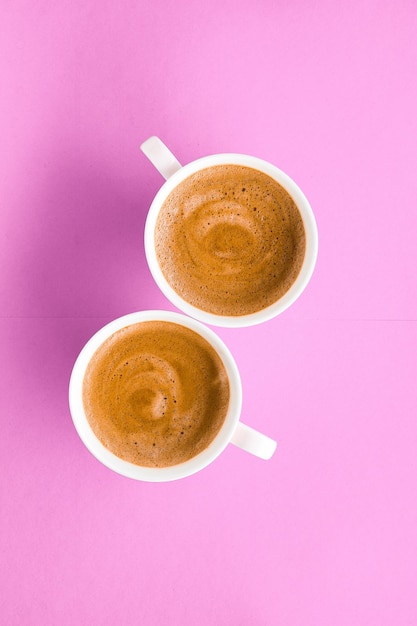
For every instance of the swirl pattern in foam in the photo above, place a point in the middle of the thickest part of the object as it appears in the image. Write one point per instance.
(230, 240)
(156, 393)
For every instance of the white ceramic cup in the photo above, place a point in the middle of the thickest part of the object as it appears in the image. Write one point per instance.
(166, 163)
(232, 430)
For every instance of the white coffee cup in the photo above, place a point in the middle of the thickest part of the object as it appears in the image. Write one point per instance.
(232, 430)
(166, 163)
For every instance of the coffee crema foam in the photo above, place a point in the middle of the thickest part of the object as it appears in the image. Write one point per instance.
(156, 393)
(230, 240)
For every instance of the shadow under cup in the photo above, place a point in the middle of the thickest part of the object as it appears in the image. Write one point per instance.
(210, 232)
(133, 470)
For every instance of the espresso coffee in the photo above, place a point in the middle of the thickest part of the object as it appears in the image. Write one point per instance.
(230, 240)
(156, 393)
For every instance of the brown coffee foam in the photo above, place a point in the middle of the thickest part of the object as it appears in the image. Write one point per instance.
(230, 240)
(156, 393)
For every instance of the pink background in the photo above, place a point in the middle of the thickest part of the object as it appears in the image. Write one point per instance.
(326, 532)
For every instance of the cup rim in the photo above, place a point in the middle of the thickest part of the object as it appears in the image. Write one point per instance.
(309, 222)
(131, 470)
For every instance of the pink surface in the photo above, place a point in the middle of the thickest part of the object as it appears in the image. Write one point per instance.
(325, 533)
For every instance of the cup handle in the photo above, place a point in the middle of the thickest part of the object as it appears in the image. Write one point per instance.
(253, 441)
(160, 156)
